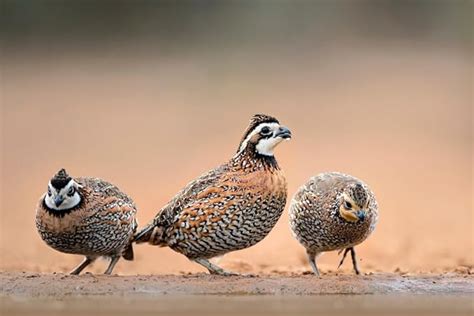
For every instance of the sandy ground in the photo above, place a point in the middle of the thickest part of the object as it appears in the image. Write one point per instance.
(203, 294)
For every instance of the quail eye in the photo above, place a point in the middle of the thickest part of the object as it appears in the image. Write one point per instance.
(49, 191)
(347, 205)
(71, 191)
(265, 130)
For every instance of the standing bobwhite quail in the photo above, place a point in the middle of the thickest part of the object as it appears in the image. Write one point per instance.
(333, 211)
(231, 207)
(87, 216)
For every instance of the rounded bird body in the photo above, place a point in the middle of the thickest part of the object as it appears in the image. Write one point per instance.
(87, 216)
(236, 212)
(231, 207)
(333, 211)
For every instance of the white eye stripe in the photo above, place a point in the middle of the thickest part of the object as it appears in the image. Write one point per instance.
(71, 199)
(256, 130)
(65, 190)
(52, 189)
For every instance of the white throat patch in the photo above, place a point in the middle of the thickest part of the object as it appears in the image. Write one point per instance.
(68, 201)
(266, 145)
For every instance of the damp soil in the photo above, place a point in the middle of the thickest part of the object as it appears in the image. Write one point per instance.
(203, 294)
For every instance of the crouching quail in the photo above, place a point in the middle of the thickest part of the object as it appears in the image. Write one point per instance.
(87, 216)
(231, 207)
(333, 211)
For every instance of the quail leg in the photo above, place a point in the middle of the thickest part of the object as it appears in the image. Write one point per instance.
(343, 256)
(213, 269)
(113, 262)
(312, 261)
(87, 261)
(354, 259)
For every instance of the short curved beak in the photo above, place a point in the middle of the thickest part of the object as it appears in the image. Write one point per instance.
(58, 200)
(361, 215)
(283, 132)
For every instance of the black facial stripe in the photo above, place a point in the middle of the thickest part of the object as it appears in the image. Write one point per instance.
(256, 124)
(255, 121)
(71, 191)
(265, 130)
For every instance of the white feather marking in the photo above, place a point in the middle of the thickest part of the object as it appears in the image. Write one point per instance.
(267, 146)
(264, 146)
(68, 201)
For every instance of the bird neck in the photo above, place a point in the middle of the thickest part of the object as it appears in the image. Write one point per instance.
(249, 159)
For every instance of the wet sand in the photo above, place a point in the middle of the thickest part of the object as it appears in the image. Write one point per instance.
(203, 294)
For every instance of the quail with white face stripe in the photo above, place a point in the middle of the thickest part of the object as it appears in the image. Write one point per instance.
(87, 216)
(231, 207)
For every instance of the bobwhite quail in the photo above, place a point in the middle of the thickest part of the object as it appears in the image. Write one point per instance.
(231, 207)
(333, 211)
(87, 216)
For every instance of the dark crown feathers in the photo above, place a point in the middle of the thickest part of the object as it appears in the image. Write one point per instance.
(60, 179)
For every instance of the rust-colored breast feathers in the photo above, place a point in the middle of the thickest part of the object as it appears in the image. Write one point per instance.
(227, 196)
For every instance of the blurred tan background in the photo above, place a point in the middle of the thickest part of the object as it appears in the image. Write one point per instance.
(149, 95)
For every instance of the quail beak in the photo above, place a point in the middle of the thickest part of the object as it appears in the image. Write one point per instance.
(58, 200)
(361, 215)
(283, 132)
(352, 216)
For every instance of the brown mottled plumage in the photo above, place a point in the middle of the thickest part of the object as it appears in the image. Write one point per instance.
(333, 211)
(228, 208)
(87, 216)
